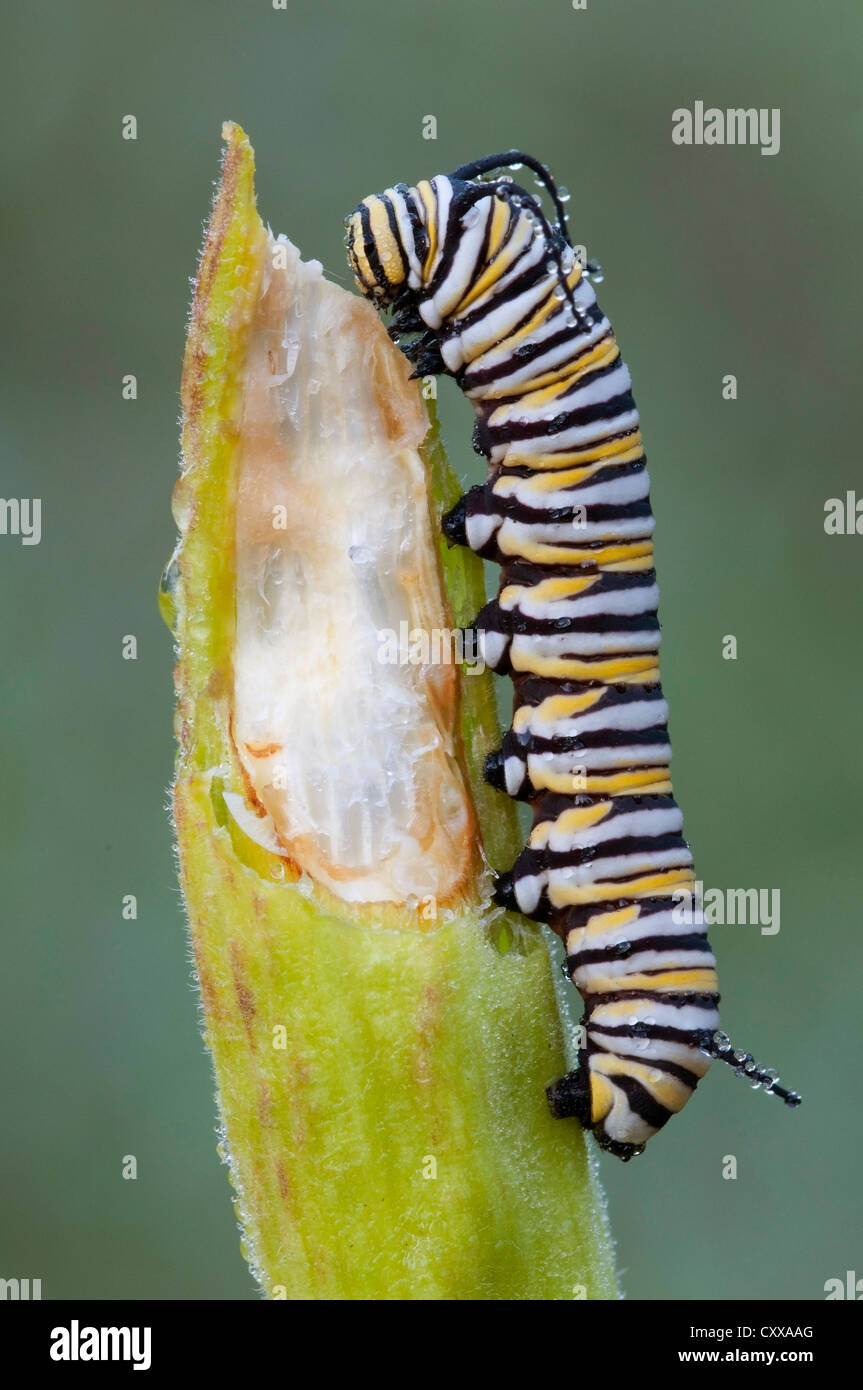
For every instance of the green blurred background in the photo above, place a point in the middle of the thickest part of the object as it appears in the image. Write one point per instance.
(717, 260)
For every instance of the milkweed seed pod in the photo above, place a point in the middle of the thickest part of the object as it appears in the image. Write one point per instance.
(382, 1032)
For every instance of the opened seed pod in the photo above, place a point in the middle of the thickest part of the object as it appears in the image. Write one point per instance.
(381, 1034)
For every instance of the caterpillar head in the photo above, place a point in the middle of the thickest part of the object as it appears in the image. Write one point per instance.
(374, 252)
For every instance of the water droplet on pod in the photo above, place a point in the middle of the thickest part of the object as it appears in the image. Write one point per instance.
(168, 591)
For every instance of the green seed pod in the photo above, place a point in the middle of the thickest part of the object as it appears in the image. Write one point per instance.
(382, 1035)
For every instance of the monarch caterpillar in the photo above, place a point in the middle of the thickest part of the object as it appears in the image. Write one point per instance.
(492, 294)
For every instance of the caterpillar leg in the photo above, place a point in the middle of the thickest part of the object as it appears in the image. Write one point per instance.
(569, 1098)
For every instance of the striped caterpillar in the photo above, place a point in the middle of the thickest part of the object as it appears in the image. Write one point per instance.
(490, 292)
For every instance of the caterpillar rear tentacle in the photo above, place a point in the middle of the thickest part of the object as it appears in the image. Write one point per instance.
(720, 1047)
(497, 299)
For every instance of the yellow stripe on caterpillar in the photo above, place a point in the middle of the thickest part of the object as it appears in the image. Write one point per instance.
(668, 1090)
(630, 444)
(560, 381)
(546, 591)
(570, 784)
(428, 198)
(555, 707)
(602, 1098)
(696, 981)
(388, 248)
(500, 263)
(551, 480)
(600, 924)
(641, 669)
(650, 886)
(550, 305)
(359, 260)
(578, 818)
(540, 554)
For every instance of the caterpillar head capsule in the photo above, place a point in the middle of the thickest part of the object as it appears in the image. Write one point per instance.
(374, 252)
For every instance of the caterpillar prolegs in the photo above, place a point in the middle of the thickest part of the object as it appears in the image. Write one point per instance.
(486, 289)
